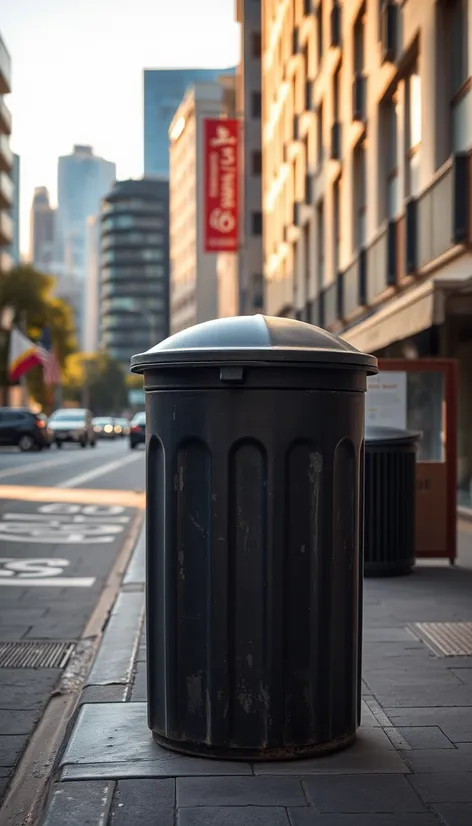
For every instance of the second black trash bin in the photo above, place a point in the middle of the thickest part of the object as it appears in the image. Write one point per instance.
(254, 431)
(390, 494)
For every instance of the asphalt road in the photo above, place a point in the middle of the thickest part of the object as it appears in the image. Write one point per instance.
(110, 466)
(55, 558)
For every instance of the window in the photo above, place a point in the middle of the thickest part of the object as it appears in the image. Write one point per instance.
(256, 223)
(256, 104)
(412, 133)
(320, 244)
(258, 291)
(336, 91)
(306, 255)
(256, 164)
(256, 44)
(336, 225)
(359, 44)
(319, 125)
(319, 31)
(454, 24)
(391, 146)
(359, 170)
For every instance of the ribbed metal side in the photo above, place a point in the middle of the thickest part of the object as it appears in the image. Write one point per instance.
(389, 509)
(34, 654)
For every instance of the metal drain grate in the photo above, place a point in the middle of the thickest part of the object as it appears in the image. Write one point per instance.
(35, 654)
(446, 639)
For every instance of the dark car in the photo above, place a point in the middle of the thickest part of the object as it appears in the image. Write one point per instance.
(72, 426)
(24, 429)
(137, 431)
(104, 427)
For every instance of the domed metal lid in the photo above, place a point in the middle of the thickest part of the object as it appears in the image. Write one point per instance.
(256, 339)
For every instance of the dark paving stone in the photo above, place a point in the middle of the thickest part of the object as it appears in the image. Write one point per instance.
(142, 802)
(441, 761)
(11, 747)
(425, 737)
(463, 674)
(103, 694)
(445, 788)
(382, 635)
(43, 678)
(233, 816)
(239, 791)
(18, 722)
(79, 804)
(362, 793)
(456, 723)
(3, 786)
(116, 735)
(307, 817)
(454, 814)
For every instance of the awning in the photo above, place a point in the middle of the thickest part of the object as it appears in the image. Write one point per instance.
(416, 310)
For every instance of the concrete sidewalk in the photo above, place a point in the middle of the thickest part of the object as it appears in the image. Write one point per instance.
(411, 764)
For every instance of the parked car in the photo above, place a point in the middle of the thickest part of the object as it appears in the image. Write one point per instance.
(24, 429)
(122, 427)
(137, 432)
(104, 427)
(72, 426)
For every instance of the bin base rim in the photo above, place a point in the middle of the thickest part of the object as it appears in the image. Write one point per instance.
(235, 754)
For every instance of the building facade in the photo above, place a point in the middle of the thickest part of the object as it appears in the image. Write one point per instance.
(83, 179)
(6, 164)
(193, 272)
(249, 109)
(367, 140)
(42, 230)
(91, 325)
(163, 93)
(134, 297)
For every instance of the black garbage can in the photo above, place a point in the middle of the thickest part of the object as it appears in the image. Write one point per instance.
(254, 432)
(390, 494)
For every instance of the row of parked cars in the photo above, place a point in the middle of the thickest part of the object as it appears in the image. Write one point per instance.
(34, 431)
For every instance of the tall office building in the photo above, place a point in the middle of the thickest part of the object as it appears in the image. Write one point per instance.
(134, 295)
(42, 225)
(91, 325)
(14, 248)
(367, 178)
(249, 107)
(193, 272)
(83, 179)
(6, 164)
(163, 93)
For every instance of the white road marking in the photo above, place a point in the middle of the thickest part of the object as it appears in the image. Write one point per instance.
(60, 582)
(100, 471)
(45, 573)
(18, 470)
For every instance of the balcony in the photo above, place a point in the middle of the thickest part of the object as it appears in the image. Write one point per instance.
(6, 155)
(359, 98)
(5, 70)
(5, 118)
(6, 191)
(380, 262)
(331, 304)
(6, 229)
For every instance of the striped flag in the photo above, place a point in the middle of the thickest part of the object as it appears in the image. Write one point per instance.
(23, 355)
(48, 358)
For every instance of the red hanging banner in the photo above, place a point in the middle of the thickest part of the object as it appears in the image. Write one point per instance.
(221, 208)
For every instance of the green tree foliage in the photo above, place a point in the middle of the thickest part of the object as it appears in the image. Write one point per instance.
(29, 294)
(97, 381)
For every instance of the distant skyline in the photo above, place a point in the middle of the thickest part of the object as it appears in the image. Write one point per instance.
(77, 74)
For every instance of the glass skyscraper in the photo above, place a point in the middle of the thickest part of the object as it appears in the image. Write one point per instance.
(163, 92)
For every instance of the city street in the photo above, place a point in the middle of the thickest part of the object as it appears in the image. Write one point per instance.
(63, 542)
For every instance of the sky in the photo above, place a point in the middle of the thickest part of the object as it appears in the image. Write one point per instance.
(77, 75)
